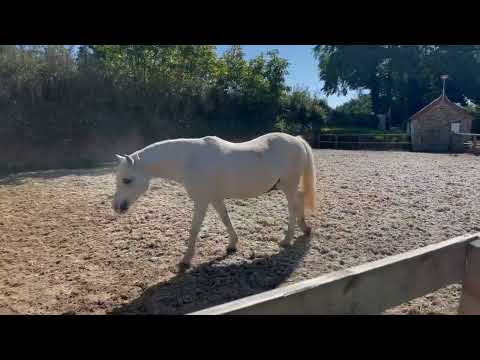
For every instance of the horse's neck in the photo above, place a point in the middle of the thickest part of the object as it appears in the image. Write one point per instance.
(165, 160)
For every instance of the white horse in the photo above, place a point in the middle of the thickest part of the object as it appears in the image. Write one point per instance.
(212, 169)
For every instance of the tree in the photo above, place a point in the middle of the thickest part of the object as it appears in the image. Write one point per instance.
(159, 91)
(249, 92)
(354, 113)
(401, 78)
(301, 112)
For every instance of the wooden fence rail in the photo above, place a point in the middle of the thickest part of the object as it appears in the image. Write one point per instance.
(374, 287)
(360, 141)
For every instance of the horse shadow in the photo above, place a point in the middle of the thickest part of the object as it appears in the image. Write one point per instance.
(20, 178)
(217, 282)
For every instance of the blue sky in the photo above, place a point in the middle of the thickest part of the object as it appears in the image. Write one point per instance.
(303, 69)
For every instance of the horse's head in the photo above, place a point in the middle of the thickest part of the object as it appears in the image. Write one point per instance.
(131, 183)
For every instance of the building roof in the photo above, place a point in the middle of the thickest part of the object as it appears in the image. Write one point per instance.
(440, 99)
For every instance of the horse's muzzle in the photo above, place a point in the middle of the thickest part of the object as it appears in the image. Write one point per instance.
(122, 208)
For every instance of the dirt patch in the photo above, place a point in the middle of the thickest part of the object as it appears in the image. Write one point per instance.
(63, 250)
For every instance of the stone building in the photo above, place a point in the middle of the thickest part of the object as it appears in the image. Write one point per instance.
(433, 128)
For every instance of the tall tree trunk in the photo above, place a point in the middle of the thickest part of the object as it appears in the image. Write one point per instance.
(374, 93)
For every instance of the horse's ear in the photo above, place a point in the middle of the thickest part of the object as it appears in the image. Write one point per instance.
(129, 160)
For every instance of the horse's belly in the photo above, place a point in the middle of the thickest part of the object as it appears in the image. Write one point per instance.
(247, 173)
(249, 187)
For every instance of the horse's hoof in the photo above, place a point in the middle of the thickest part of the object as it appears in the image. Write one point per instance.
(231, 250)
(183, 266)
(285, 243)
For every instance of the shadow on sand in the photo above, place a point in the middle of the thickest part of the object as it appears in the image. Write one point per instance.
(217, 282)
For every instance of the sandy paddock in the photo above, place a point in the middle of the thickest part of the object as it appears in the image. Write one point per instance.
(62, 250)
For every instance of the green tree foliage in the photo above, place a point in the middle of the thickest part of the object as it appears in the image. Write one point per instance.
(35, 92)
(249, 93)
(475, 111)
(403, 78)
(360, 105)
(302, 112)
(356, 113)
(50, 95)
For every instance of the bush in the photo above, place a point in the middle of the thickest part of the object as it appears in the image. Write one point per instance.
(302, 112)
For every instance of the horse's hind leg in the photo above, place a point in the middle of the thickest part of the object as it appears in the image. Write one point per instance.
(199, 211)
(219, 206)
(300, 211)
(291, 194)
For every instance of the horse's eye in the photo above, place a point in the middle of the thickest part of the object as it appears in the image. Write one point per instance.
(127, 181)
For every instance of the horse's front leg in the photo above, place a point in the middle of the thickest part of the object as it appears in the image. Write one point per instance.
(219, 206)
(199, 211)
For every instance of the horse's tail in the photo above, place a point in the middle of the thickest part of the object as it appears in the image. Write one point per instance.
(308, 178)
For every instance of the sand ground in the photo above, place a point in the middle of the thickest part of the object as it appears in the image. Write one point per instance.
(63, 250)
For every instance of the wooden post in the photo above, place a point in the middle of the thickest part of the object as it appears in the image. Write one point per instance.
(474, 144)
(336, 141)
(470, 299)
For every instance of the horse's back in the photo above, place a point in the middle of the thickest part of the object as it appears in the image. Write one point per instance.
(248, 168)
(269, 148)
(267, 139)
(260, 143)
